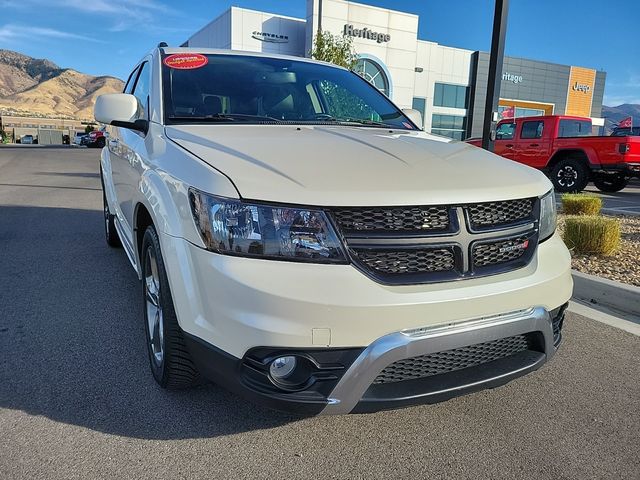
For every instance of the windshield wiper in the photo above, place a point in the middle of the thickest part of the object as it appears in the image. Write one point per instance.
(364, 121)
(223, 117)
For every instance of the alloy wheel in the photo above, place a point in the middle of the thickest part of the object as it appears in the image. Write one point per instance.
(567, 176)
(155, 323)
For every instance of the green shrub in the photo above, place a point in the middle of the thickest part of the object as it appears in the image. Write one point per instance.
(581, 204)
(592, 234)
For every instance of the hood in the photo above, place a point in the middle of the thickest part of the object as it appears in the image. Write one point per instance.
(345, 166)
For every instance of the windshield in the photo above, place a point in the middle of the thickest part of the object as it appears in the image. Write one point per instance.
(256, 90)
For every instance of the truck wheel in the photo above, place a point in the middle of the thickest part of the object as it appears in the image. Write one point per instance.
(170, 360)
(569, 175)
(610, 182)
(110, 233)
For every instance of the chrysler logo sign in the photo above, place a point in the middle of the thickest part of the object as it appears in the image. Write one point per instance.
(581, 87)
(270, 37)
(349, 31)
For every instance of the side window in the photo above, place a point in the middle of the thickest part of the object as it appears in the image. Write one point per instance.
(532, 129)
(506, 131)
(130, 81)
(141, 90)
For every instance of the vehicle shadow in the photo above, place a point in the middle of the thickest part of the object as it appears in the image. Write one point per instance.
(72, 344)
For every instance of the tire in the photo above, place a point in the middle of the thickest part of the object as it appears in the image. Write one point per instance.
(610, 183)
(569, 175)
(170, 361)
(110, 232)
(100, 143)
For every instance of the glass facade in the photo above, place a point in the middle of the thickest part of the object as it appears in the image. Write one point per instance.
(452, 126)
(446, 95)
(519, 112)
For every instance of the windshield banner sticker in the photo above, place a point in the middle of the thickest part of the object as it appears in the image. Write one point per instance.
(186, 61)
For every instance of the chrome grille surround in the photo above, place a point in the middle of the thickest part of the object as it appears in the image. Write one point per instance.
(468, 247)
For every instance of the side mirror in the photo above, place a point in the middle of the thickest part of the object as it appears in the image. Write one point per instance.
(414, 115)
(120, 110)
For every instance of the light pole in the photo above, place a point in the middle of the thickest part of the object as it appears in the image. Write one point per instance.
(500, 16)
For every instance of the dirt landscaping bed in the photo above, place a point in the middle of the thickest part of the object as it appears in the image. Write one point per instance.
(624, 265)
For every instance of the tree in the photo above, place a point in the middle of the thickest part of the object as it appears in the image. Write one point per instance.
(334, 49)
(89, 129)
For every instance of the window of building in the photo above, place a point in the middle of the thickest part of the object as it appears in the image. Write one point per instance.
(574, 128)
(372, 73)
(519, 112)
(419, 104)
(532, 129)
(506, 131)
(446, 95)
(452, 126)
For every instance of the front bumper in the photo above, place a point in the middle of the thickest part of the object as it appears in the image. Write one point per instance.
(346, 380)
(233, 308)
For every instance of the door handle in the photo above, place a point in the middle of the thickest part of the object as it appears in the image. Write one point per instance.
(534, 144)
(509, 145)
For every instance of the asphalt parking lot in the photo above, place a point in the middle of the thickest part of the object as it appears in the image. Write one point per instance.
(77, 400)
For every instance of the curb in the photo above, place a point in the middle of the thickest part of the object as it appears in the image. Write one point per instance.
(598, 290)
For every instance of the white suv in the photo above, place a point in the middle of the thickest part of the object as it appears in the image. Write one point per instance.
(302, 242)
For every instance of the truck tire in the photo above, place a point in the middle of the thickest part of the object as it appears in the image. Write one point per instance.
(569, 175)
(171, 363)
(610, 182)
(110, 233)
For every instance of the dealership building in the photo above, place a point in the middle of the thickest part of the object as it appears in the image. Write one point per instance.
(446, 84)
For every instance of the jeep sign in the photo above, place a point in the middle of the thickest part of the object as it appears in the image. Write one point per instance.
(581, 87)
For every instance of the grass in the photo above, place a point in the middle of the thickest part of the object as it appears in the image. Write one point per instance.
(592, 235)
(581, 204)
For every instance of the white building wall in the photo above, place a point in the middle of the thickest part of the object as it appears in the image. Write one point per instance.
(236, 29)
(443, 65)
(216, 34)
(398, 55)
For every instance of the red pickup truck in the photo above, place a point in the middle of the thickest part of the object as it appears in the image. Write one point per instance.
(562, 146)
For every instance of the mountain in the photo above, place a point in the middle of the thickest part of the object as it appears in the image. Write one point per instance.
(614, 114)
(39, 87)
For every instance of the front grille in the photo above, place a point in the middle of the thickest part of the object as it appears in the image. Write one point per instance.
(494, 253)
(452, 360)
(496, 214)
(416, 260)
(393, 219)
(427, 244)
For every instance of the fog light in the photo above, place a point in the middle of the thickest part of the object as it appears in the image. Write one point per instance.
(282, 367)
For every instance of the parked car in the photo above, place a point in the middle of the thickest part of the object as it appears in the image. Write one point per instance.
(626, 132)
(562, 147)
(302, 242)
(95, 139)
(77, 139)
(27, 139)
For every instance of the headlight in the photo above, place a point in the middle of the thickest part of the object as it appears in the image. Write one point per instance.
(548, 215)
(255, 230)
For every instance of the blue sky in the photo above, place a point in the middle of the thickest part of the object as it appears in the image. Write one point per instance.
(105, 37)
